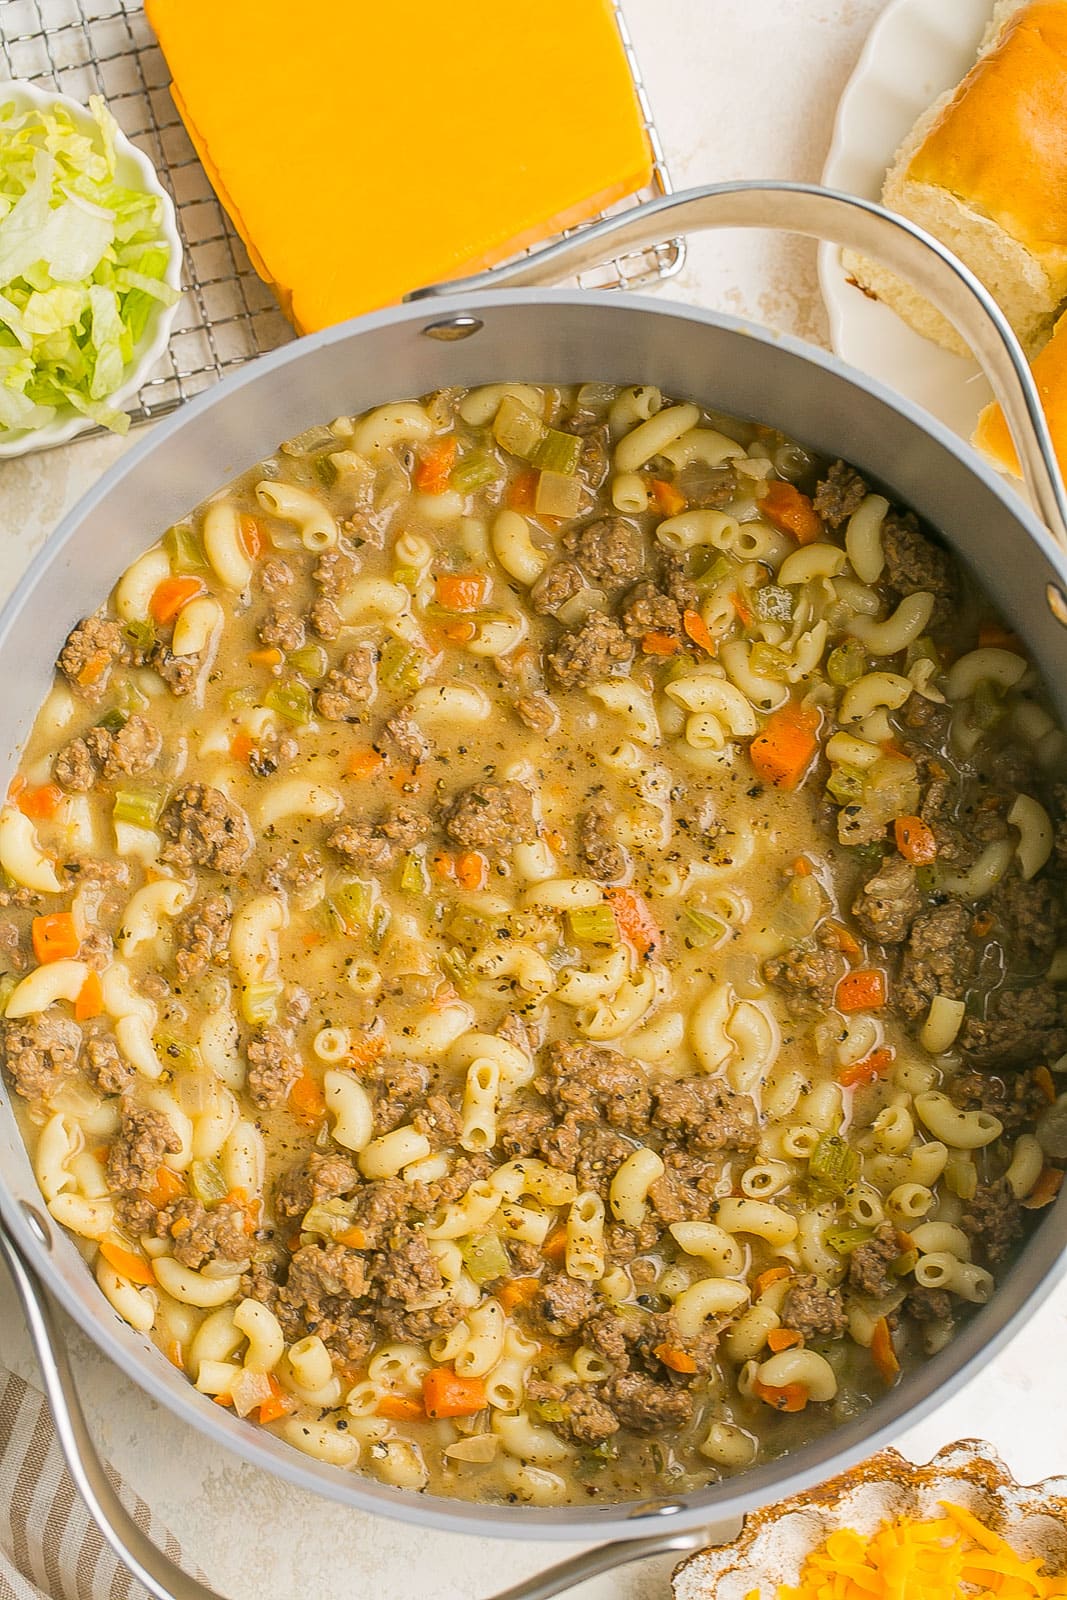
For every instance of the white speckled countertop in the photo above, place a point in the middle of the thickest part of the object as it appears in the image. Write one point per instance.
(740, 88)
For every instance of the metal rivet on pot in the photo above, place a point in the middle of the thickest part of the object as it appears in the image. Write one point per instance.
(657, 1508)
(1057, 602)
(452, 328)
(38, 1226)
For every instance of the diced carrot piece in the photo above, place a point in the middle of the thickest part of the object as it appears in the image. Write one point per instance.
(404, 1408)
(363, 762)
(459, 632)
(784, 1339)
(434, 466)
(743, 609)
(1045, 1189)
(518, 1292)
(765, 1279)
(668, 497)
(787, 1397)
(40, 804)
(635, 921)
(271, 657)
(125, 1263)
(94, 668)
(444, 865)
(783, 751)
(462, 591)
(55, 938)
(472, 869)
(841, 937)
(801, 867)
(982, 924)
(280, 1404)
(882, 1352)
(353, 1238)
(446, 1394)
(522, 491)
(863, 989)
(995, 636)
(791, 512)
(655, 643)
(222, 1399)
(306, 1099)
(250, 532)
(170, 596)
(90, 1001)
(168, 1186)
(555, 1246)
(241, 748)
(671, 1356)
(915, 840)
(867, 1070)
(697, 630)
(175, 1354)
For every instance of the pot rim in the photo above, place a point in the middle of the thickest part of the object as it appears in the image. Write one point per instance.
(1036, 1271)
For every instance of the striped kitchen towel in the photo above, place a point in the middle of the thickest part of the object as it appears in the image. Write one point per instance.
(49, 1547)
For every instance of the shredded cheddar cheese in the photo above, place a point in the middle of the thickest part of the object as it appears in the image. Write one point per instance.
(955, 1557)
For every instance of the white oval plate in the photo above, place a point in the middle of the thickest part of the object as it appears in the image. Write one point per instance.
(916, 50)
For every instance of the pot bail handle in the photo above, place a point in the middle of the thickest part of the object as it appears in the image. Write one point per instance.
(835, 218)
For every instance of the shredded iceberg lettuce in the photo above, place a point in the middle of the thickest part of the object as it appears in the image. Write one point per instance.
(82, 264)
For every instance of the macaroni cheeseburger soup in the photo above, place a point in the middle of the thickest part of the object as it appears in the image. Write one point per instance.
(533, 944)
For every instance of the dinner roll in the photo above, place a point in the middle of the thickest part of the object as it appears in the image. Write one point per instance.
(1049, 367)
(985, 171)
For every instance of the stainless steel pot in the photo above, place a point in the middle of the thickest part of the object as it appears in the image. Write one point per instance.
(471, 333)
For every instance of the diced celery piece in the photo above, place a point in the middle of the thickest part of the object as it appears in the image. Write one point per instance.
(704, 929)
(176, 1053)
(325, 469)
(141, 807)
(259, 1002)
(846, 784)
(380, 918)
(290, 700)
(206, 1183)
(773, 603)
(456, 967)
(485, 1257)
(352, 903)
(845, 1240)
(327, 1218)
(722, 567)
(593, 925)
(922, 649)
(474, 472)
(407, 577)
(769, 661)
(557, 495)
(114, 720)
(926, 877)
(401, 665)
(987, 704)
(413, 876)
(516, 429)
(904, 1264)
(847, 663)
(558, 452)
(834, 1163)
(310, 661)
(140, 633)
(241, 699)
(130, 698)
(184, 549)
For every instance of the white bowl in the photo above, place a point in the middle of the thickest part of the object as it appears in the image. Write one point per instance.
(135, 171)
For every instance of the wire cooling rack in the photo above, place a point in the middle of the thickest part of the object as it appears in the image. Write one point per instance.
(227, 315)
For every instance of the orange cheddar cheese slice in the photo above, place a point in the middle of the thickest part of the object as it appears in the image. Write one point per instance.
(363, 150)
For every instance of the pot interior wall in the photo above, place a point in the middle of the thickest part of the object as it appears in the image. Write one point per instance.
(552, 338)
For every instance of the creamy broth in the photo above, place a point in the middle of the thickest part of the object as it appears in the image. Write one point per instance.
(532, 943)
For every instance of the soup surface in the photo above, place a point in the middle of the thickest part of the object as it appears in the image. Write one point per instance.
(532, 944)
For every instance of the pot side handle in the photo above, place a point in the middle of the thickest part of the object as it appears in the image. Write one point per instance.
(159, 1574)
(835, 218)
